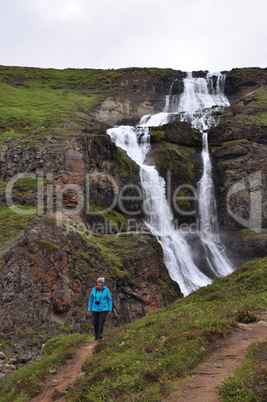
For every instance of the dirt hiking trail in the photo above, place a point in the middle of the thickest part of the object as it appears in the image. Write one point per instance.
(55, 385)
(229, 354)
(200, 387)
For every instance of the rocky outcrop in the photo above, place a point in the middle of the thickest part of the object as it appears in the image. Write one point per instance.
(239, 153)
(51, 154)
(108, 171)
(181, 132)
(239, 81)
(245, 245)
(243, 120)
(17, 356)
(142, 91)
(176, 153)
(181, 168)
(118, 107)
(86, 170)
(47, 277)
(240, 171)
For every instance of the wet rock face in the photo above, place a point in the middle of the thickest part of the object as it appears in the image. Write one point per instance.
(49, 274)
(182, 133)
(244, 245)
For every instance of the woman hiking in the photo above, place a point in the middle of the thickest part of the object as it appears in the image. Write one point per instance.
(100, 304)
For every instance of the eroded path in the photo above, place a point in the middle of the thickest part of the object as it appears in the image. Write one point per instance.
(55, 385)
(200, 387)
(203, 382)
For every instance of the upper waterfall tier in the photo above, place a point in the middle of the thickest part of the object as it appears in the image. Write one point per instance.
(195, 105)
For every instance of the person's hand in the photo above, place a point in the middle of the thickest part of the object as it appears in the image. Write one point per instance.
(109, 313)
(88, 313)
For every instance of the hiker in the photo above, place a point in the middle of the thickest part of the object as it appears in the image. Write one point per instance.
(100, 304)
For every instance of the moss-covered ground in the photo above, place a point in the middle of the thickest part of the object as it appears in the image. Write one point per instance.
(12, 224)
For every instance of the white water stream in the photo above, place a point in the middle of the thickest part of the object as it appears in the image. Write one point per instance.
(200, 94)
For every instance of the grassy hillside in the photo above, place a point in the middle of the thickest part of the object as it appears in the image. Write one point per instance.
(37, 102)
(145, 360)
(31, 98)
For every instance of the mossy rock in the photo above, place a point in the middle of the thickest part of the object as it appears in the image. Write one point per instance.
(175, 164)
(156, 135)
(128, 168)
(102, 222)
(47, 246)
(181, 133)
(175, 159)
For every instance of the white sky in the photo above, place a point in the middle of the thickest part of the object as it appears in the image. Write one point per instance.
(180, 34)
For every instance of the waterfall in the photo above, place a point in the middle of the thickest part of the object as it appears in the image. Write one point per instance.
(199, 96)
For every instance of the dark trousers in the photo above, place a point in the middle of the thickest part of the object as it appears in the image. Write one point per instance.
(99, 320)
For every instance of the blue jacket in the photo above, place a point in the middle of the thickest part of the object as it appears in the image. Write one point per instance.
(103, 296)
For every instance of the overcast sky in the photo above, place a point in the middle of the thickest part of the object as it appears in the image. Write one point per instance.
(180, 34)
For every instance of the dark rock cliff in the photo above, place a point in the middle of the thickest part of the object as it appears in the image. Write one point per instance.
(47, 277)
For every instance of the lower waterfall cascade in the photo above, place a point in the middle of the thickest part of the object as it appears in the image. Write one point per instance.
(196, 105)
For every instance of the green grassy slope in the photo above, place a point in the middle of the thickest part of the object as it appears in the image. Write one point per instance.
(31, 98)
(144, 360)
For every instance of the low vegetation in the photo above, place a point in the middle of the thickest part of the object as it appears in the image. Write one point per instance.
(12, 224)
(249, 381)
(147, 359)
(27, 381)
(33, 98)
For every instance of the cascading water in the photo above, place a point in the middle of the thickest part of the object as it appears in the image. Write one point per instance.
(177, 254)
(199, 95)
